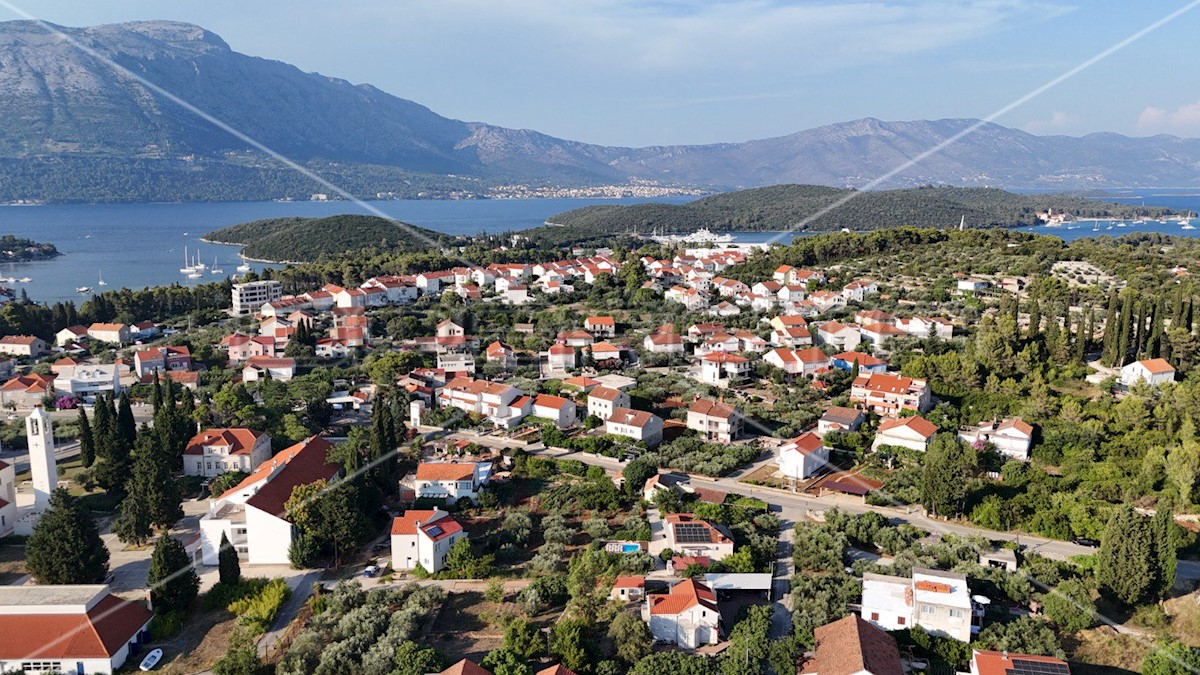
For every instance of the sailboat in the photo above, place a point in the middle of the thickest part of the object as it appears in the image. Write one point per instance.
(102, 282)
(244, 267)
(1186, 221)
(199, 265)
(187, 268)
(215, 269)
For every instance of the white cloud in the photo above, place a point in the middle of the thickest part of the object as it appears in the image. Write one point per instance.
(1058, 121)
(1183, 120)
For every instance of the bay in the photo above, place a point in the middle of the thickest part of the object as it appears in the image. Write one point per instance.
(141, 245)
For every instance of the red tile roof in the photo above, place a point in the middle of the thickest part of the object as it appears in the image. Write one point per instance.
(1157, 366)
(97, 634)
(445, 471)
(683, 596)
(239, 441)
(1001, 663)
(466, 667)
(852, 645)
(304, 463)
(712, 408)
(917, 424)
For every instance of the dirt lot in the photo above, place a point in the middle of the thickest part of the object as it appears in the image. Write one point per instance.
(12, 563)
(467, 626)
(203, 640)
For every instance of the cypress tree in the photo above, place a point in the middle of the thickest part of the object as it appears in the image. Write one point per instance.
(153, 481)
(173, 582)
(1166, 557)
(1035, 319)
(125, 423)
(1125, 325)
(87, 445)
(1128, 559)
(134, 524)
(228, 566)
(65, 547)
(1112, 331)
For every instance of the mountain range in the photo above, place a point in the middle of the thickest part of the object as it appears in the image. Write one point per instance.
(74, 127)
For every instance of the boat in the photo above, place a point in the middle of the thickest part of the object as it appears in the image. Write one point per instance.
(151, 659)
(24, 280)
(83, 289)
(187, 268)
(244, 267)
(1188, 227)
(215, 269)
(102, 282)
(195, 274)
(1186, 220)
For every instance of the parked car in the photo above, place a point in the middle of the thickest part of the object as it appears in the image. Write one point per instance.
(1086, 541)
(371, 571)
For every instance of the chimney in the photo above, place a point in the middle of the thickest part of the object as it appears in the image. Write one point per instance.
(1004, 655)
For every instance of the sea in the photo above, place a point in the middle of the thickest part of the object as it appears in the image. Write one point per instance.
(141, 245)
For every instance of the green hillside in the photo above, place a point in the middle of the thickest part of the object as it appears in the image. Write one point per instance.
(308, 239)
(816, 208)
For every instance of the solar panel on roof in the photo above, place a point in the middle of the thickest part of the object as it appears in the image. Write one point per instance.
(1027, 667)
(691, 533)
(435, 530)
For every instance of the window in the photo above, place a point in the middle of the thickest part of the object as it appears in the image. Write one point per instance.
(956, 614)
(900, 621)
(874, 616)
(928, 609)
(41, 666)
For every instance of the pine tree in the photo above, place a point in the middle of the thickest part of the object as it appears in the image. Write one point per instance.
(1035, 319)
(65, 547)
(173, 582)
(228, 566)
(943, 482)
(87, 445)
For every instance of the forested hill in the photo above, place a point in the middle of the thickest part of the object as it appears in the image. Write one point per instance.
(802, 207)
(308, 239)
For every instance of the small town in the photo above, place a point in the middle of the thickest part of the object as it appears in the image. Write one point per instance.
(638, 460)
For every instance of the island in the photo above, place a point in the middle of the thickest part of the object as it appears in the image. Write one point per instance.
(18, 249)
(820, 208)
(296, 240)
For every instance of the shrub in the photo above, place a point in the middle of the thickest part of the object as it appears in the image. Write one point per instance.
(256, 612)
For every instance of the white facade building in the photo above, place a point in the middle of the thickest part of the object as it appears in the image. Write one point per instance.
(939, 602)
(213, 452)
(803, 456)
(687, 616)
(424, 537)
(250, 296)
(1154, 372)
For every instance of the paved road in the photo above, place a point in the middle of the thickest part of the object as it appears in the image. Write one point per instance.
(795, 507)
(301, 585)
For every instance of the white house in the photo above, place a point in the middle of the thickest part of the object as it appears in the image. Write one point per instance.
(88, 380)
(22, 345)
(663, 343)
(451, 481)
(561, 357)
(602, 401)
(602, 326)
(939, 602)
(1011, 437)
(715, 421)
(252, 515)
(262, 367)
(69, 629)
(424, 537)
(805, 362)
(721, 368)
(71, 334)
(1153, 372)
(636, 424)
(914, 433)
(972, 285)
(803, 456)
(555, 408)
(841, 335)
(690, 537)
(500, 403)
(887, 395)
(686, 616)
(213, 452)
(114, 333)
(839, 418)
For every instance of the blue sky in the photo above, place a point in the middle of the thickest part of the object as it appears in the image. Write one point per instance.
(623, 72)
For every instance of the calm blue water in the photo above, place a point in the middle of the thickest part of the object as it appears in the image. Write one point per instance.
(140, 245)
